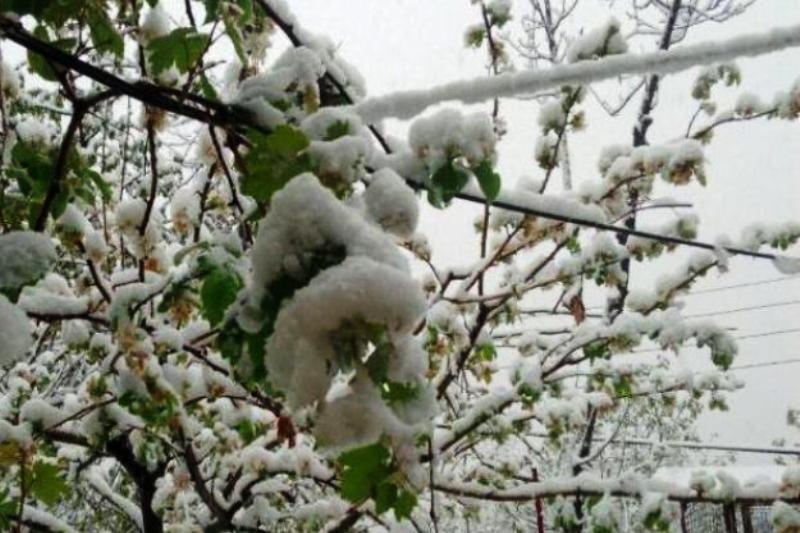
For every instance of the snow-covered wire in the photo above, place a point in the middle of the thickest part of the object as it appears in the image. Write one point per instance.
(406, 104)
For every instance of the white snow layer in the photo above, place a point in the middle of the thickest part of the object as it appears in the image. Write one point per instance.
(15, 332)
(26, 256)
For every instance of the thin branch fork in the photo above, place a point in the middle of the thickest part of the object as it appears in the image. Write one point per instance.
(164, 98)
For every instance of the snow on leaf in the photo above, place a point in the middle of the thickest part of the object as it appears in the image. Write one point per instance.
(181, 48)
(27, 256)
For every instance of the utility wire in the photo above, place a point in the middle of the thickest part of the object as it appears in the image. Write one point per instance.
(740, 285)
(743, 309)
(702, 291)
(765, 364)
(767, 333)
(736, 337)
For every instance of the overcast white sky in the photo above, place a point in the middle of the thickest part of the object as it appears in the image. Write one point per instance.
(754, 169)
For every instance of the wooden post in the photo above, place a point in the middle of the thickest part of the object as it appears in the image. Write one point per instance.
(747, 518)
(684, 506)
(729, 515)
(538, 504)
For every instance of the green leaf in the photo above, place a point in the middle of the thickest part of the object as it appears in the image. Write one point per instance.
(25, 7)
(446, 182)
(378, 363)
(396, 392)
(183, 48)
(235, 35)
(207, 88)
(8, 510)
(230, 341)
(218, 292)
(212, 10)
(597, 350)
(38, 64)
(406, 501)
(46, 485)
(486, 352)
(488, 179)
(104, 36)
(32, 167)
(385, 497)
(363, 470)
(274, 160)
(340, 128)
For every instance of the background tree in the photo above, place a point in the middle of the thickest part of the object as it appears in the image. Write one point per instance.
(208, 314)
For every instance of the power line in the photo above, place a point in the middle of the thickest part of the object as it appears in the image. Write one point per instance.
(773, 450)
(722, 288)
(765, 364)
(740, 285)
(768, 333)
(736, 337)
(742, 309)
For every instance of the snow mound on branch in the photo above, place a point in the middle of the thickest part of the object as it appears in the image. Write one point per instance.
(300, 354)
(391, 203)
(446, 133)
(603, 41)
(15, 332)
(26, 256)
(305, 217)
(317, 126)
(344, 338)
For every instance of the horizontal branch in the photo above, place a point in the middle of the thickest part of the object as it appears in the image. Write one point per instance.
(628, 486)
(505, 201)
(406, 104)
(211, 112)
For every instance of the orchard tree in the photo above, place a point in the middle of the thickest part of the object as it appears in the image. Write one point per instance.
(217, 312)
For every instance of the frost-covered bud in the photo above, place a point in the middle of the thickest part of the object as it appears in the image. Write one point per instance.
(474, 35)
(340, 162)
(790, 482)
(329, 123)
(9, 81)
(708, 77)
(747, 105)
(499, 12)
(392, 204)
(546, 151)
(155, 23)
(702, 482)
(552, 116)
(603, 41)
(421, 247)
(96, 247)
(785, 518)
(448, 134)
(787, 104)
(71, 225)
(35, 131)
(15, 332)
(185, 210)
(75, 333)
(129, 214)
(686, 160)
